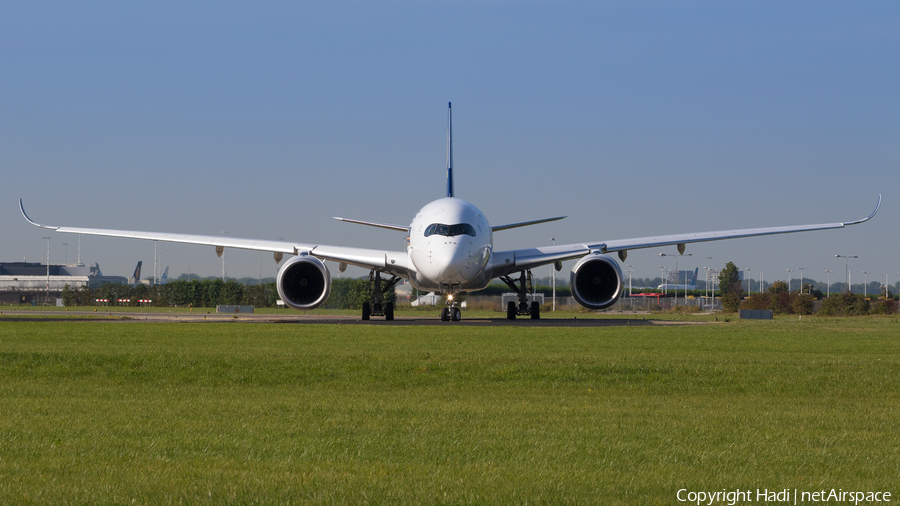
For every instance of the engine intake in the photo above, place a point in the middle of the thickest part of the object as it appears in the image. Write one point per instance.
(304, 282)
(596, 281)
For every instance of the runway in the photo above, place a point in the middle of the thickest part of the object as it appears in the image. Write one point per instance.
(136, 317)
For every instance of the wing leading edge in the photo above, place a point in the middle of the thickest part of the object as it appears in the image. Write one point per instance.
(667, 240)
(531, 258)
(393, 262)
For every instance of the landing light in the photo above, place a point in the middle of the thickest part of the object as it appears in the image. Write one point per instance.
(450, 297)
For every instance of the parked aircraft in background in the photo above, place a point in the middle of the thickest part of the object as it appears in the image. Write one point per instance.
(449, 250)
(690, 284)
(136, 277)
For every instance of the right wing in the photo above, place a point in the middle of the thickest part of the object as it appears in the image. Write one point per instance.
(393, 262)
(506, 262)
(680, 239)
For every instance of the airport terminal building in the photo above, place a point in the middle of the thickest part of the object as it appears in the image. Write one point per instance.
(25, 282)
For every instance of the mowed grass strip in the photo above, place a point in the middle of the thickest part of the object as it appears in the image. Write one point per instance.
(234, 413)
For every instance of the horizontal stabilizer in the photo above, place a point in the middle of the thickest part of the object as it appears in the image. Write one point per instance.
(373, 224)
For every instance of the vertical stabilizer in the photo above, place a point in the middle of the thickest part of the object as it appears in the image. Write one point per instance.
(165, 276)
(136, 277)
(694, 279)
(449, 150)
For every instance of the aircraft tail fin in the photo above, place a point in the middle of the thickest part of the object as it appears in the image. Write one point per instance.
(449, 150)
(137, 271)
(164, 277)
(694, 280)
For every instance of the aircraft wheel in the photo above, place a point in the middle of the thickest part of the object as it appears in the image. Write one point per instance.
(535, 311)
(510, 310)
(445, 315)
(388, 311)
(366, 311)
(455, 314)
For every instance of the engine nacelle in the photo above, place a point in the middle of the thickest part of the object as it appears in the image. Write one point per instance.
(596, 281)
(304, 282)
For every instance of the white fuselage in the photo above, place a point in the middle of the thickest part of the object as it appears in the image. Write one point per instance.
(449, 245)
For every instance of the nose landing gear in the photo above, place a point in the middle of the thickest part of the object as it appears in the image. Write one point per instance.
(451, 314)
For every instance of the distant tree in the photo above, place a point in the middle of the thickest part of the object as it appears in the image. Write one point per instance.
(802, 303)
(845, 304)
(812, 290)
(728, 278)
(758, 301)
(777, 287)
(68, 295)
(884, 306)
(730, 287)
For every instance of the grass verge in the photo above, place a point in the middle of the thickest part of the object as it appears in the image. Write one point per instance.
(271, 414)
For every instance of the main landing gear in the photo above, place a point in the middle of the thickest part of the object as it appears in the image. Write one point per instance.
(377, 306)
(522, 308)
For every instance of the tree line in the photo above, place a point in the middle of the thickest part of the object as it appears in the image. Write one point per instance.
(780, 299)
(345, 293)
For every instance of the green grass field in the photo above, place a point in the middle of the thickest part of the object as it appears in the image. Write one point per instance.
(237, 413)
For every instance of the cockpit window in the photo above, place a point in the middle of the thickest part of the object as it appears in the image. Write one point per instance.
(449, 230)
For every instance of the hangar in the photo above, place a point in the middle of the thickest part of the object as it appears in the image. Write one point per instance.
(35, 283)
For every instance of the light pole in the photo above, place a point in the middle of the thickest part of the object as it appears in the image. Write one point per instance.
(630, 299)
(553, 275)
(706, 292)
(715, 282)
(66, 253)
(847, 267)
(630, 270)
(662, 278)
(749, 286)
(224, 232)
(708, 267)
(865, 284)
(762, 284)
(47, 296)
(789, 271)
(676, 276)
(828, 288)
(801, 278)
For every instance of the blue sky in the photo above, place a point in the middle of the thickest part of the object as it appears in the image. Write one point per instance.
(632, 118)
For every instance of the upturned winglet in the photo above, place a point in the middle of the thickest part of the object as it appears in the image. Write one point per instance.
(869, 217)
(36, 224)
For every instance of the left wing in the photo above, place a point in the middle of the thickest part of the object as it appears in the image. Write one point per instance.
(530, 258)
(393, 262)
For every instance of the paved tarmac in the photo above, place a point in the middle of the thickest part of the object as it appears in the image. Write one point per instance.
(299, 319)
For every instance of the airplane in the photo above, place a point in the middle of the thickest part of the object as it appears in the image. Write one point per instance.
(136, 277)
(449, 250)
(165, 277)
(691, 286)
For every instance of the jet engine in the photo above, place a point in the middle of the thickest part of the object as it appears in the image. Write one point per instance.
(304, 282)
(596, 281)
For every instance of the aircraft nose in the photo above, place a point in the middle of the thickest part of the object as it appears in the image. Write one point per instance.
(458, 265)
